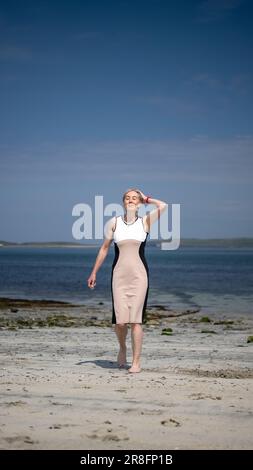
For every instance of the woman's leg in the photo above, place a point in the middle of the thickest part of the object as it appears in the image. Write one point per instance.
(137, 337)
(121, 332)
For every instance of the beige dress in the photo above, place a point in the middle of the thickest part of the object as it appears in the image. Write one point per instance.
(130, 276)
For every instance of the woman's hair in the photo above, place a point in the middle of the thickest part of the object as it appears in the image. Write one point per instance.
(135, 190)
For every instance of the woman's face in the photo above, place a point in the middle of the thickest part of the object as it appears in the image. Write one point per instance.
(132, 201)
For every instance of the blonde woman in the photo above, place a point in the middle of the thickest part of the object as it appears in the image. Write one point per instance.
(129, 275)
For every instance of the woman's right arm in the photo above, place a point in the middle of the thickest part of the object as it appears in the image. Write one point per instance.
(101, 254)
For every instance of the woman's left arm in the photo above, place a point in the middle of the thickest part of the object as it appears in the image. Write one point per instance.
(155, 214)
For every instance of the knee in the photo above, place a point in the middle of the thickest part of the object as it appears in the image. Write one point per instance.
(136, 326)
(121, 325)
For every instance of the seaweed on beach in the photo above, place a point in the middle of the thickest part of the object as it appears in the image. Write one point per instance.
(50, 321)
(14, 304)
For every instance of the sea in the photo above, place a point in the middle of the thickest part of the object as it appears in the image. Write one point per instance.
(213, 279)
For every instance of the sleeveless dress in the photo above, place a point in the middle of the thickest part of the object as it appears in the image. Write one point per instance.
(130, 274)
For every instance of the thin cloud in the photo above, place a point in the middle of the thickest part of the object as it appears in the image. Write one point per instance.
(15, 53)
(214, 10)
(172, 104)
(206, 79)
(240, 82)
(87, 35)
(198, 159)
(232, 205)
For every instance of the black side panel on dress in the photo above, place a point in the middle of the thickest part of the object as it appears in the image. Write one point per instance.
(116, 257)
(142, 256)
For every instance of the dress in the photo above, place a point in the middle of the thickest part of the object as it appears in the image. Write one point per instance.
(130, 274)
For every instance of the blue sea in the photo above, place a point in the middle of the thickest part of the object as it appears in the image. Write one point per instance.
(212, 279)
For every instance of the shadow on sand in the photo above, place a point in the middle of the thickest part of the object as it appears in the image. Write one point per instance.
(104, 364)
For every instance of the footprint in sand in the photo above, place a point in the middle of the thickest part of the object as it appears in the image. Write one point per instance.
(151, 412)
(20, 439)
(108, 435)
(113, 437)
(59, 403)
(170, 422)
(16, 403)
(59, 426)
(201, 396)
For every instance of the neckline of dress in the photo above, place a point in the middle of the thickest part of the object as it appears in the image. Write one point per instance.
(131, 222)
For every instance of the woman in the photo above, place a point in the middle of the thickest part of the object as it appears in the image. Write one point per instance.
(129, 278)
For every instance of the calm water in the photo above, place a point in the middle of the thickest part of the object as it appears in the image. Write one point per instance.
(214, 279)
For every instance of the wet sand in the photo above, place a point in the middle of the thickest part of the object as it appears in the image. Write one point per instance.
(61, 387)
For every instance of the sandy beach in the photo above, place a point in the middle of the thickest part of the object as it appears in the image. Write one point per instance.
(61, 387)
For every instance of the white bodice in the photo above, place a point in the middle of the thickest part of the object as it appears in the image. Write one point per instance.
(124, 231)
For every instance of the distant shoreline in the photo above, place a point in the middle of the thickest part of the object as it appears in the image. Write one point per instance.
(45, 245)
(242, 242)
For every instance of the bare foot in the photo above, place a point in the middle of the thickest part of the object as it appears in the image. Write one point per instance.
(122, 358)
(134, 369)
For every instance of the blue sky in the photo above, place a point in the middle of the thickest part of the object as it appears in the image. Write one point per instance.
(98, 96)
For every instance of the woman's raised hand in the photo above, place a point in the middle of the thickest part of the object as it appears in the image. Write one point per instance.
(143, 196)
